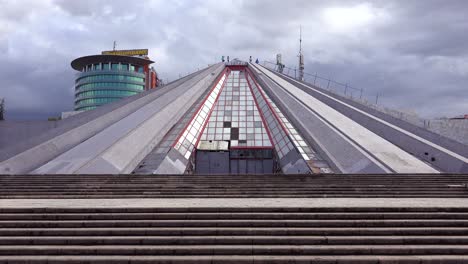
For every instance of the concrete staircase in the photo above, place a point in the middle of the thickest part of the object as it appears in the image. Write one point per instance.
(234, 235)
(233, 186)
(86, 229)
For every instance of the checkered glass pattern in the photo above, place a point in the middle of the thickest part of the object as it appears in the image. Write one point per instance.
(280, 133)
(186, 143)
(235, 116)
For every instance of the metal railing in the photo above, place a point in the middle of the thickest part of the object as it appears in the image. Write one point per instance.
(339, 88)
(356, 94)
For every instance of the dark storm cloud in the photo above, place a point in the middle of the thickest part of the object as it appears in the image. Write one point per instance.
(413, 53)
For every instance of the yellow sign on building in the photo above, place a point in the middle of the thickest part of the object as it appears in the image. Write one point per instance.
(135, 52)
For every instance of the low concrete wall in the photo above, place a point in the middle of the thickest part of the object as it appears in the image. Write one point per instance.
(456, 129)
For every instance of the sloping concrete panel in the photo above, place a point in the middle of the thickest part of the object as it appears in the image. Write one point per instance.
(120, 147)
(386, 152)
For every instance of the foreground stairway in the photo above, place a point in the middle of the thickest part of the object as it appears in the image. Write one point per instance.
(192, 219)
(238, 235)
(233, 186)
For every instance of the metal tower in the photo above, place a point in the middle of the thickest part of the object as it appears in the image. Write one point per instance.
(301, 57)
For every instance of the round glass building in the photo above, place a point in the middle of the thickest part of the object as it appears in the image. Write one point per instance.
(104, 79)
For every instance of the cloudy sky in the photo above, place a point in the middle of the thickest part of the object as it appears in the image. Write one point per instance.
(414, 52)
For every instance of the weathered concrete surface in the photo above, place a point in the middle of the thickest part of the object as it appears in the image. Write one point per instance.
(12, 132)
(456, 129)
(388, 153)
(120, 147)
(343, 154)
(238, 203)
(79, 128)
(440, 152)
(75, 121)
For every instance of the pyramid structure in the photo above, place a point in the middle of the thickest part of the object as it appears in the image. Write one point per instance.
(234, 118)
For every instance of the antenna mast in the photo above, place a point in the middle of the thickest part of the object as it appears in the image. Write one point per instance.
(301, 56)
(300, 39)
(115, 44)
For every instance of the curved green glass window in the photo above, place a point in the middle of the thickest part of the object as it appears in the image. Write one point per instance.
(110, 77)
(110, 84)
(109, 93)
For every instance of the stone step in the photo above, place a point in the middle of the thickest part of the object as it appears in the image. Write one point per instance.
(237, 223)
(233, 180)
(234, 240)
(231, 215)
(235, 250)
(191, 210)
(221, 196)
(231, 187)
(53, 182)
(244, 193)
(236, 192)
(237, 231)
(220, 259)
(277, 185)
(343, 185)
(222, 175)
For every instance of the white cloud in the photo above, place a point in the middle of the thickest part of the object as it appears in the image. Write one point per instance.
(349, 20)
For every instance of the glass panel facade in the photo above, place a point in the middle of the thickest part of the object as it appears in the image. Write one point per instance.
(113, 66)
(106, 85)
(110, 77)
(110, 84)
(236, 117)
(108, 93)
(105, 88)
(186, 142)
(284, 135)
